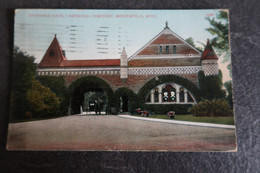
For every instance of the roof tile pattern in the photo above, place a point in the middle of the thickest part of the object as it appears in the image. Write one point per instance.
(208, 52)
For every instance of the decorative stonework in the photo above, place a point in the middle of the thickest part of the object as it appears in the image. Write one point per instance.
(165, 70)
(52, 72)
(210, 67)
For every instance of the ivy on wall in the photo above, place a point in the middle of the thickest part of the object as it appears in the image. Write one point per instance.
(211, 86)
(132, 98)
(143, 92)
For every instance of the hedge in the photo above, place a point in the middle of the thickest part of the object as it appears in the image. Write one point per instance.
(181, 109)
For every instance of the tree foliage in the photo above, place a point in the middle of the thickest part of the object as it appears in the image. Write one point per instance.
(219, 29)
(191, 42)
(211, 86)
(229, 98)
(212, 108)
(23, 74)
(42, 102)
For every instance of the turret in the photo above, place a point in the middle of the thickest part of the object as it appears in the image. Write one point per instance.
(209, 60)
(123, 65)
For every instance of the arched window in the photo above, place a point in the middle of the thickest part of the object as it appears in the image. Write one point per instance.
(182, 94)
(169, 94)
(190, 99)
(156, 95)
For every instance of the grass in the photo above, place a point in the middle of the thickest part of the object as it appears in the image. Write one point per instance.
(215, 120)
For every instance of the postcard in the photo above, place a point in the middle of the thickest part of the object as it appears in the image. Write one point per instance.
(121, 80)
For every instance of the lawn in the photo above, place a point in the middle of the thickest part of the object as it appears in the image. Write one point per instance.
(215, 120)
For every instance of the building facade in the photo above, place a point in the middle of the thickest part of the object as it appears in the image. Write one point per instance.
(161, 70)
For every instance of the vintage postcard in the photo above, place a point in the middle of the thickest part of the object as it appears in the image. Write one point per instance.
(128, 80)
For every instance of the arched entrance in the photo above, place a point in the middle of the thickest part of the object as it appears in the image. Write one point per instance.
(125, 100)
(89, 94)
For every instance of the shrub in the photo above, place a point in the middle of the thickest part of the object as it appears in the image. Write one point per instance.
(42, 101)
(164, 108)
(211, 108)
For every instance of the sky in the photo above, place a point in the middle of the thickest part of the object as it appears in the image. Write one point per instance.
(102, 34)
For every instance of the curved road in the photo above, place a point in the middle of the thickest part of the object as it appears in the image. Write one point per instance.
(116, 133)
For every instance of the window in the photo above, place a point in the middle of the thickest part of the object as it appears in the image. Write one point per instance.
(51, 53)
(181, 94)
(156, 95)
(174, 50)
(167, 49)
(160, 50)
(190, 99)
(169, 94)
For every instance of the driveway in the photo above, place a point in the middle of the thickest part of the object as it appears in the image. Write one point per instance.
(116, 133)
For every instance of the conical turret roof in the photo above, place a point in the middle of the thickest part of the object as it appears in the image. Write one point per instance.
(53, 56)
(208, 52)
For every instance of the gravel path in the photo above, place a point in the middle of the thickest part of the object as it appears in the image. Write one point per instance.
(115, 133)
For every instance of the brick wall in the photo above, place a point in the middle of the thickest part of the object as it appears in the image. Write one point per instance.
(165, 62)
(134, 82)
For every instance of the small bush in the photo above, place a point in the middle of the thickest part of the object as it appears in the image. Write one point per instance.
(211, 108)
(164, 108)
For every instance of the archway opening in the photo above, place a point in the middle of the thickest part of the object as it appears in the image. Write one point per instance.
(124, 106)
(89, 95)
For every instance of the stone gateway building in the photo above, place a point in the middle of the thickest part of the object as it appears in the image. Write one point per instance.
(163, 74)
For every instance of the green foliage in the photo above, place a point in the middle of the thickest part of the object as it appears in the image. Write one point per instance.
(191, 42)
(132, 98)
(219, 29)
(164, 108)
(55, 83)
(211, 86)
(23, 74)
(23, 71)
(229, 98)
(57, 86)
(143, 92)
(42, 102)
(211, 108)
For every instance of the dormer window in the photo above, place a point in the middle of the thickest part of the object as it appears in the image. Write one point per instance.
(167, 49)
(174, 50)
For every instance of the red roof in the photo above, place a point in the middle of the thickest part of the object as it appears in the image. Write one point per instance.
(92, 63)
(55, 58)
(208, 52)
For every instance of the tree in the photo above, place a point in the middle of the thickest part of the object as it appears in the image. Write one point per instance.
(23, 73)
(42, 102)
(219, 29)
(211, 86)
(191, 42)
(229, 98)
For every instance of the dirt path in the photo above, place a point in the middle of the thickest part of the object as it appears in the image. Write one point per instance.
(115, 133)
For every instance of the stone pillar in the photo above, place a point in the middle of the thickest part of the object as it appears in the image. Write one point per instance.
(178, 97)
(160, 97)
(185, 96)
(152, 96)
(123, 65)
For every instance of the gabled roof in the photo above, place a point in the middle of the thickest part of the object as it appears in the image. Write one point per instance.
(208, 52)
(166, 36)
(53, 56)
